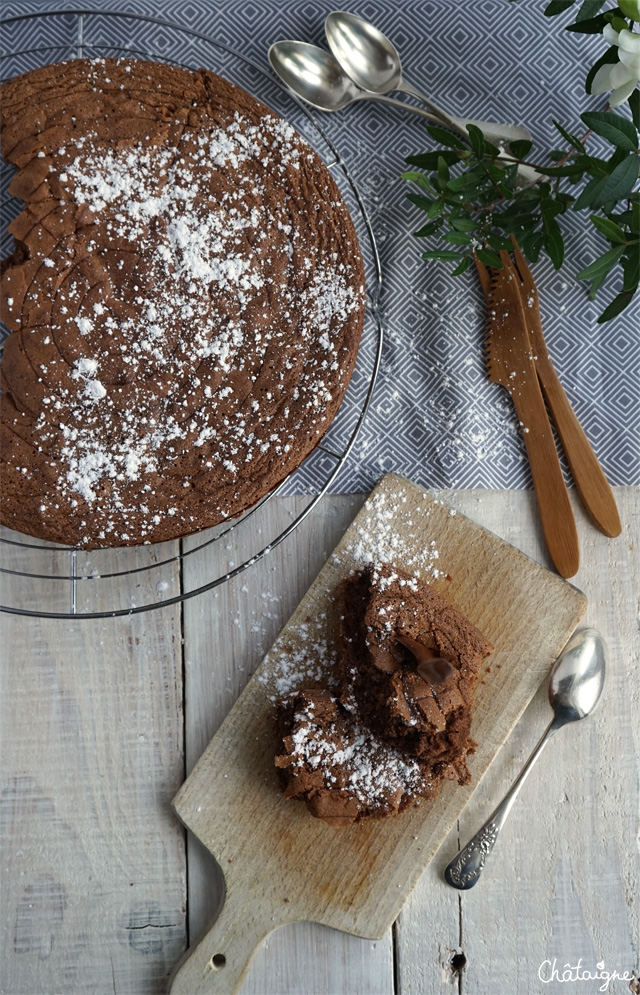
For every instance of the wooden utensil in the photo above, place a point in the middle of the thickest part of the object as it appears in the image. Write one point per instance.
(593, 487)
(510, 363)
(282, 865)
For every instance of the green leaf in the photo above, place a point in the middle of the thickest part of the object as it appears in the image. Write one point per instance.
(418, 178)
(635, 216)
(429, 160)
(477, 139)
(617, 305)
(634, 104)
(464, 182)
(609, 228)
(444, 254)
(550, 208)
(435, 209)
(590, 195)
(424, 203)
(520, 148)
(630, 9)
(596, 283)
(557, 7)
(462, 266)
(457, 238)
(631, 269)
(553, 242)
(590, 26)
(605, 262)
(443, 173)
(490, 149)
(616, 129)
(446, 138)
(617, 23)
(521, 205)
(621, 181)
(589, 8)
(531, 244)
(610, 56)
(463, 224)
(498, 242)
(572, 139)
(430, 228)
(489, 258)
(571, 169)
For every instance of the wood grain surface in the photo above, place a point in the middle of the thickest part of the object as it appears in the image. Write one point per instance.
(279, 864)
(564, 877)
(93, 882)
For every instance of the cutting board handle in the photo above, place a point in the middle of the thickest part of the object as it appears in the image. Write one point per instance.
(220, 959)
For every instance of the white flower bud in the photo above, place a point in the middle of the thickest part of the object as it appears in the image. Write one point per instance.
(620, 75)
(610, 34)
(629, 42)
(632, 61)
(602, 81)
(622, 93)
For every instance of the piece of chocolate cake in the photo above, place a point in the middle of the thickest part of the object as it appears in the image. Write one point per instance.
(409, 664)
(400, 724)
(339, 768)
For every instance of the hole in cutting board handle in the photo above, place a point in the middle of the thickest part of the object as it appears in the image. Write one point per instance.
(217, 962)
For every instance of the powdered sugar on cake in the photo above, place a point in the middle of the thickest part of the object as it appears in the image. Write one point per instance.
(376, 771)
(198, 313)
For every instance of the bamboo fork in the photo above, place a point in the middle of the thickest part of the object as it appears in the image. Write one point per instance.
(591, 483)
(511, 364)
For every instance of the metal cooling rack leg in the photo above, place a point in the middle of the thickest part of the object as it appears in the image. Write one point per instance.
(74, 558)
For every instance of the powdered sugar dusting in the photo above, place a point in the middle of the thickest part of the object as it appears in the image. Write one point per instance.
(193, 279)
(379, 540)
(377, 771)
(307, 659)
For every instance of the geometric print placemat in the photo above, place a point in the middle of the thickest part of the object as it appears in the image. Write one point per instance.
(434, 416)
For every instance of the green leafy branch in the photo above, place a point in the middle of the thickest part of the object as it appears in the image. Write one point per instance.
(473, 198)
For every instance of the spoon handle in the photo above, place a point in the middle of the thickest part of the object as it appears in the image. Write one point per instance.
(467, 866)
(493, 131)
(436, 118)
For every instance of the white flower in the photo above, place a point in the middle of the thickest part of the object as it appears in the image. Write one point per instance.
(620, 77)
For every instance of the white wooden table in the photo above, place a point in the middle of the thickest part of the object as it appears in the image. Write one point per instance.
(102, 892)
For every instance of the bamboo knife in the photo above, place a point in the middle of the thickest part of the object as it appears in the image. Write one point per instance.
(593, 487)
(510, 363)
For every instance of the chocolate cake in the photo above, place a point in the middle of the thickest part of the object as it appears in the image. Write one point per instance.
(339, 768)
(185, 302)
(399, 723)
(391, 623)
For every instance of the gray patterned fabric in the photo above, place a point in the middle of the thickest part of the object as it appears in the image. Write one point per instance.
(434, 416)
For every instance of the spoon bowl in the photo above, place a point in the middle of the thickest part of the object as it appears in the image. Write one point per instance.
(313, 74)
(370, 59)
(577, 679)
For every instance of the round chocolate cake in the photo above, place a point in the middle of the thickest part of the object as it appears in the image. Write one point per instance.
(185, 301)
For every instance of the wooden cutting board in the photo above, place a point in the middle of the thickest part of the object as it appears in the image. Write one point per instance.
(282, 865)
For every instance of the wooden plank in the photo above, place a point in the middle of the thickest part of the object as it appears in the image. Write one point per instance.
(93, 894)
(356, 880)
(227, 633)
(565, 873)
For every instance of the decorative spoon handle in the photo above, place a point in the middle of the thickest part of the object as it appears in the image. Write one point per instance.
(467, 866)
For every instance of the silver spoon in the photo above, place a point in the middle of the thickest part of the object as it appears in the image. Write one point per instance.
(316, 76)
(373, 63)
(575, 687)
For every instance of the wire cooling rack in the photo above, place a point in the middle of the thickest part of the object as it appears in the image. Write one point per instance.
(50, 581)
